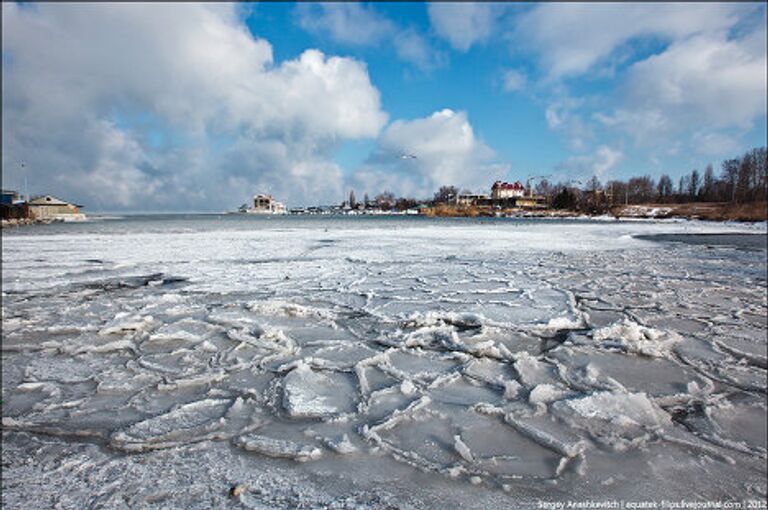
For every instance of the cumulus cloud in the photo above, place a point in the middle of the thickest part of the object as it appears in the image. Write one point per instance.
(447, 153)
(74, 76)
(463, 24)
(704, 82)
(707, 78)
(706, 69)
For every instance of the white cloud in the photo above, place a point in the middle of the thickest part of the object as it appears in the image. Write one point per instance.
(562, 115)
(345, 22)
(705, 82)
(514, 80)
(715, 144)
(413, 48)
(463, 24)
(571, 38)
(73, 74)
(598, 164)
(708, 79)
(354, 24)
(447, 153)
(708, 71)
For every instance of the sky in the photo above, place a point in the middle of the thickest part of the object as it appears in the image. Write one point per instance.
(197, 107)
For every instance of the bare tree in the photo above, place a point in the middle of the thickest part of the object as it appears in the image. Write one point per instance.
(641, 189)
(744, 179)
(446, 194)
(708, 189)
(760, 161)
(729, 175)
(693, 184)
(664, 188)
(543, 188)
(682, 187)
(385, 200)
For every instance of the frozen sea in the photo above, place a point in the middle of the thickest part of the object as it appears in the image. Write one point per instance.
(374, 362)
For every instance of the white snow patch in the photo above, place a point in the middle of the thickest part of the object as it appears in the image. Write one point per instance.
(634, 338)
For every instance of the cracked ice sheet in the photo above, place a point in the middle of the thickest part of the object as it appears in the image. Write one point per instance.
(482, 362)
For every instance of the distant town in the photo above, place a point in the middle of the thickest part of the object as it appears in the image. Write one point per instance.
(737, 193)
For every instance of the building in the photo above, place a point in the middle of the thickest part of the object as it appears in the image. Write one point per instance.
(470, 200)
(531, 202)
(10, 197)
(502, 190)
(48, 207)
(265, 204)
(12, 207)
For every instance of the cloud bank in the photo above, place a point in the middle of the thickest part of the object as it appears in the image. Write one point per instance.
(89, 88)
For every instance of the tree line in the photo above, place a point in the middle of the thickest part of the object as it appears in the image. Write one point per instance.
(739, 180)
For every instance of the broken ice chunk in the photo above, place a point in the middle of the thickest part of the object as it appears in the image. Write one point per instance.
(188, 423)
(310, 394)
(340, 444)
(619, 420)
(634, 338)
(279, 448)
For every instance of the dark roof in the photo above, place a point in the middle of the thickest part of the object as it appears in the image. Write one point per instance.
(505, 185)
(50, 200)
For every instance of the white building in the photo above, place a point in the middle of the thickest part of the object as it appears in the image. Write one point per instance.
(507, 190)
(266, 204)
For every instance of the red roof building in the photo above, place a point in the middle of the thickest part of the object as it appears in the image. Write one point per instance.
(507, 190)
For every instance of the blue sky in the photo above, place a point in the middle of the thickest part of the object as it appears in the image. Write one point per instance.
(198, 106)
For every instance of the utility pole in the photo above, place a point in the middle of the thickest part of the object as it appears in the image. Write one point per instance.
(26, 188)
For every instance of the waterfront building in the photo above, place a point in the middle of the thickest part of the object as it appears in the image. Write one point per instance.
(48, 207)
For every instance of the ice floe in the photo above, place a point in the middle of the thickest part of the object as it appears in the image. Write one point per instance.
(501, 360)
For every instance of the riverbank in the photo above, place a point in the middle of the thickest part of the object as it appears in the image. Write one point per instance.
(710, 211)
(21, 222)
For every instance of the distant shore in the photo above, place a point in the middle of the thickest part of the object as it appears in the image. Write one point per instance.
(708, 211)
(21, 222)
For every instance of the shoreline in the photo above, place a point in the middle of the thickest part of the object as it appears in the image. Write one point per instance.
(706, 211)
(756, 212)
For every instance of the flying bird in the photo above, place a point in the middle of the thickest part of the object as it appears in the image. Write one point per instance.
(407, 156)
